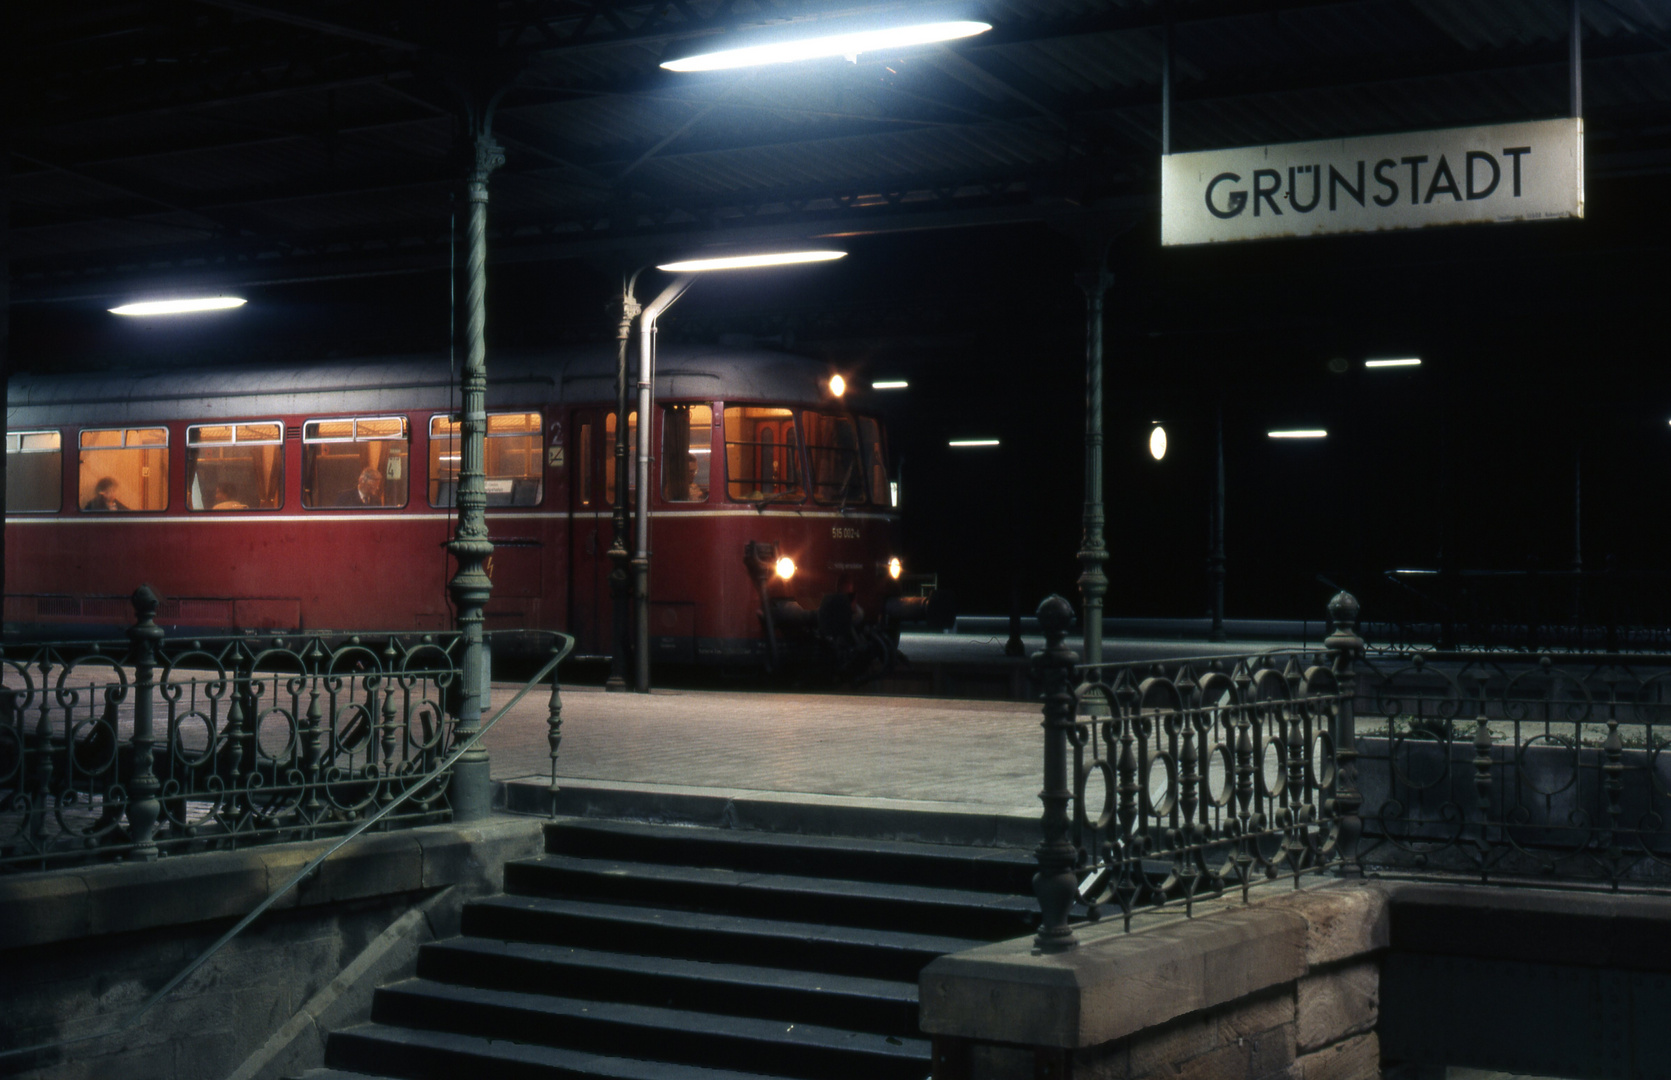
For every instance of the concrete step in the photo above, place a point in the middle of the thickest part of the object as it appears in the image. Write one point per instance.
(924, 908)
(864, 951)
(855, 1002)
(978, 869)
(444, 1055)
(750, 1044)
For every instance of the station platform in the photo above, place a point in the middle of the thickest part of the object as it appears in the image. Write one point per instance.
(950, 746)
(965, 771)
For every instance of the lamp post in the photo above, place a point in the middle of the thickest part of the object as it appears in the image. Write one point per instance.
(471, 789)
(639, 561)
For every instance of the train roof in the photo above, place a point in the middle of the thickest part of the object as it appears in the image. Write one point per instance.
(401, 383)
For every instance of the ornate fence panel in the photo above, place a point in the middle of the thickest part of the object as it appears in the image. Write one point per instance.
(1214, 774)
(1507, 765)
(164, 746)
(1168, 782)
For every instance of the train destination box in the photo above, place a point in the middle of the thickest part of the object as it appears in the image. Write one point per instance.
(1506, 172)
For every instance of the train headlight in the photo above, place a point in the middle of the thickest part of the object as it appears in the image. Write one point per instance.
(786, 568)
(895, 568)
(838, 386)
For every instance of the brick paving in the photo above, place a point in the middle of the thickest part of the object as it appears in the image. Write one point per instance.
(983, 756)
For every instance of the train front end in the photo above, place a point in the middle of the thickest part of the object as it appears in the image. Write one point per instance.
(792, 480)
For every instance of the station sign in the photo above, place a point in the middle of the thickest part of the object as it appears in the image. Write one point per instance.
(1530, 171)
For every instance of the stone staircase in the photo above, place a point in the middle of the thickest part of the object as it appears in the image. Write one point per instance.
(653, 952)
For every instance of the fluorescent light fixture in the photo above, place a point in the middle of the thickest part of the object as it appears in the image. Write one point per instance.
(965, 443)
(179, 307)
(1414, 571)
(749, 262)
(815, 45)
(890, 384)
(1299, 433)
(1403, 361)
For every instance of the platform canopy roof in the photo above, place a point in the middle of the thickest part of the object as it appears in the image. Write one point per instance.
(249, 141)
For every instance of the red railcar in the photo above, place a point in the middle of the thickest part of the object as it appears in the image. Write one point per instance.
(319, 498)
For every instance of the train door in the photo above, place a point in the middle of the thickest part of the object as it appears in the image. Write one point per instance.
(591, 503)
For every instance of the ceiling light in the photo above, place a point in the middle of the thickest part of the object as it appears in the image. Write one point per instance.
(814, 45)
(962, 444)
(179, 307)
(749, 262)
(890, 384)
(1157, 443)
(1404, 361)
(1299, 433)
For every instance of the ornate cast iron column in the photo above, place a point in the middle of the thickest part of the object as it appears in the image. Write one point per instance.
(620, 557)
(1345, 646)
(143, 807)
(471, 791)
(1055, 883)
(1093, 550)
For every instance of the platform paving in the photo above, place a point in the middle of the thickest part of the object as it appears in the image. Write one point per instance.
(972, 756)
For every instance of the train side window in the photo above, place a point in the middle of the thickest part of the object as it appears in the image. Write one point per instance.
(687, 442)
(876, 460)
(355, 462)
(513, 459)
(609, 458)
(235, 466)
(124, 469)
(34, 472)
(832, 445)
(762, 456)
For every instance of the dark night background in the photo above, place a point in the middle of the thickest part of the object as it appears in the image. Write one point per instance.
(1540, 343)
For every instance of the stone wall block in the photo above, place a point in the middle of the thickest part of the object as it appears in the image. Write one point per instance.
(1110, 1061)
(1343, 920)
(1358, 1058)
(987, 1062)
(1181, 1040)
(1256, 1015)
(43, 907)
(1339, 1003)
(1271, 1053)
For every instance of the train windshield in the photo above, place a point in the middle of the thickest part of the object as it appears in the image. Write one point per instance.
(762, 455)
(34, 471)
(235, 466)
(876, 461)
(512, 460)
(832, 446)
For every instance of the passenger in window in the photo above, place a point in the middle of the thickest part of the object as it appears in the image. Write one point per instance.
(698, 492)
(367, 492)
(227, 499)
(104, 496)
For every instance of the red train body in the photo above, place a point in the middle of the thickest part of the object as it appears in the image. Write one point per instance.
(320, 499)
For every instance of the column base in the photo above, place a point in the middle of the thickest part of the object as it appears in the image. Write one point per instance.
(471, 791)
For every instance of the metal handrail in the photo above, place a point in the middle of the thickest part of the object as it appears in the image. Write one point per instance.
(561, 653)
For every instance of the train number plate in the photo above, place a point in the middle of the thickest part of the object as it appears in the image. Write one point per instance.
(844, 532)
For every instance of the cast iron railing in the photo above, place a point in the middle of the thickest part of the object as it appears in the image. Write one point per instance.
(418, 786)
(1220, 773)
(1506, 765)
(170, 746)
(1215, 774)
